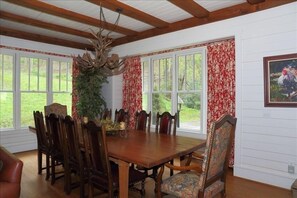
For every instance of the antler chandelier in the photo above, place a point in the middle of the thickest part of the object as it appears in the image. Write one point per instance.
(100, 60)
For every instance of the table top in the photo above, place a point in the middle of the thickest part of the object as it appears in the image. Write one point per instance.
(150, 149)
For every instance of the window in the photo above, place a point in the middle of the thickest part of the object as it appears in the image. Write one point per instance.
(6, 90)
(33, 87)
(29, 82)
(62, 83)
(176, 82)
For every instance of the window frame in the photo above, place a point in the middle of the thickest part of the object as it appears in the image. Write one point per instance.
(17, 78)
(174, 92)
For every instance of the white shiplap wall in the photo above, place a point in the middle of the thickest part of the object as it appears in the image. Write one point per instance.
(266, 138)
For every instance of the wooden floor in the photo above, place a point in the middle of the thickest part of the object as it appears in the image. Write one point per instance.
(35, 186)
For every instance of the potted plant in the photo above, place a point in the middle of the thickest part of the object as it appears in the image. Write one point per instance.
(88, 85)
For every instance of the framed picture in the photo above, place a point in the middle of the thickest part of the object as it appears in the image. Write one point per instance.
(280, 81)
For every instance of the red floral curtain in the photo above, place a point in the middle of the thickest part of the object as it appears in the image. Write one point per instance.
(221, 82)
(75, 72)
(132, 88)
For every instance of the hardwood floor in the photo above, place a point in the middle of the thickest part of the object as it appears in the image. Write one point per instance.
(35, 186)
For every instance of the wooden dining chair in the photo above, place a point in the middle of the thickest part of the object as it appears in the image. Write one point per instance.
(143, 121)
(104, 174)
(73, 157)
(106, 114)
(208, 179)
(121, 116)
(57, 156)
(166, 123)
(56, 108)
(43, 143)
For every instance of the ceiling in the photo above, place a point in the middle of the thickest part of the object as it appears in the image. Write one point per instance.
(70, 22)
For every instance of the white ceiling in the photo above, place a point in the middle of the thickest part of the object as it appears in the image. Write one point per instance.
(160, 9)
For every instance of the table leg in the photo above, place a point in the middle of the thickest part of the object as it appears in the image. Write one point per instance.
(123, 178)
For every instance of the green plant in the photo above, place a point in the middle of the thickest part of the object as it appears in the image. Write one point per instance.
(88, 85)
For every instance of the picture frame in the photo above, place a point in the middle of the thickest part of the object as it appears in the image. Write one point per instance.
(280, 80)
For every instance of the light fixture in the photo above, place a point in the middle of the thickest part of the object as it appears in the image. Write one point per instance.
(100, 61)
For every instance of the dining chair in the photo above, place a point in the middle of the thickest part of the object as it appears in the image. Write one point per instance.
(208, 179)
(143, 121)
(73, 157)
(166, 123)
(56, 143)
(104, 174)
(43, 143)
(56, 108)
(121, 116)
(106, 114)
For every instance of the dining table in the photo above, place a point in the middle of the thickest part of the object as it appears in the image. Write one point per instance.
(147, 150)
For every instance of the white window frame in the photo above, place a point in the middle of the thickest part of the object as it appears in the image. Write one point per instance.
(16, 81)
(174, 92)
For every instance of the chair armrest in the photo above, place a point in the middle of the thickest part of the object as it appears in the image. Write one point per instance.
(199, 155)
(195, 167)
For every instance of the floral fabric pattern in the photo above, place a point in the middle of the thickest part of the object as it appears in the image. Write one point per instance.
(75, 72)
(219, 149)
(221, 82)
(132, 88)
(185, 184)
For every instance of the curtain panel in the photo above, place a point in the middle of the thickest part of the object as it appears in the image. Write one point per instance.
(221, 82)
(75, 72)
(132, 88)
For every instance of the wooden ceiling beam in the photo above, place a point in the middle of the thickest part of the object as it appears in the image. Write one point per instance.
(226, 13)
(191, 7)
(130, 12)
(43, 39)
(42, 24)
(67, 14)
(252, 2)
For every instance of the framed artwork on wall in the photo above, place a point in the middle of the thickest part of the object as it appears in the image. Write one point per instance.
(280, 80)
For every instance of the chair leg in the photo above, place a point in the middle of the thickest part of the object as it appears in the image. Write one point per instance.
(82, 187)
(53, 165)
(67, 179)
(47, 166)
(39, 161)
(142, 192)
(171, 170)
(91, 190)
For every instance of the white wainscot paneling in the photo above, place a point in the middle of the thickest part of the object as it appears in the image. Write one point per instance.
(252, 105)
(252, 73)
(281, 167)
(252, 93)
(256, 48)
(270, 123)
(280, 147)
(273, 131)
(117, 89)
(269, 156)
(18, 140)
(267, 27)
(274, 113)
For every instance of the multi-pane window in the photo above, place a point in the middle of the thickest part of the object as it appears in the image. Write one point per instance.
(62, 83)
(33, 87)
(176, 83)
(7, 67)
(28, 83)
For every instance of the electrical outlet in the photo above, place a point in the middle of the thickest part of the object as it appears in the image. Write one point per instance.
(291, 169)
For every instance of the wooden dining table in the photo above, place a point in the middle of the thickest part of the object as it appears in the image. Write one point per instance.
(147, 150)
